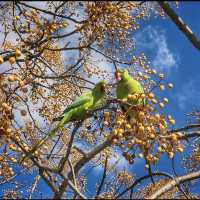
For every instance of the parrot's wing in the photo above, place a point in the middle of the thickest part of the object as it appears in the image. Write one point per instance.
(79, 102)
(85, 98)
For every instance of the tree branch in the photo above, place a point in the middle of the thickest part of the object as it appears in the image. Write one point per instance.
(64, 159)
(141, 179)
(175, 182)
(180, 24)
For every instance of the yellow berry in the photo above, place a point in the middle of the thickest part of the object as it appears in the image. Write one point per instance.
(147, 166)
(119, 122)
(12, 60)
(129, 96)
(141, 129)
(106, 114)
(142, 96)
(169, 117)
(133, 120)
(124, 100)
(18, 53)
(145, 77)
(140, 155)
(151, 95)
(155, 158)
(17, 17)
(128, 126)
(148, 129)
(1, 60)
(14, 160)
(9, 130)
(154, 101)
(4, 105)
(171, 155)
(161, 105)
(162, 128)
(153, 71)
(157, 116)
(152, 136)
(174, 137)
(180, 149)
(162, 87)
(165, 100)
(11, 78)
(160, 149)
(133, 97)
(120, 133)
(115, 132)
(130, 145)
(172, 121)
(139, 73)
(141, 114)
(170, 85)
(65, 24)
(161, 76)
(12, 147)
(21, 83)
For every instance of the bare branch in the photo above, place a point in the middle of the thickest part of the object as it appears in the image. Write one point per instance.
(65, 158)
(175, 182)
(103, 178)
(141, 179)
(180, 24)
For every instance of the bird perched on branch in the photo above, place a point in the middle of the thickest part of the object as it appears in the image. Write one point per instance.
(76, 111)
(129, 89)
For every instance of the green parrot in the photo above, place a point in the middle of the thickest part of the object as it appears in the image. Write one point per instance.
(128, 86)
(77, 110)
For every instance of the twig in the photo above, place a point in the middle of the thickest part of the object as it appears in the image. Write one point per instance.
(37, 178)
(103, 177)
(50, 13)
(66, 181)
(72, 169)
(64, 159)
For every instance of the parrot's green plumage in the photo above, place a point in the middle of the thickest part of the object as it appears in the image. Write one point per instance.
(127, 86)
(77, 110)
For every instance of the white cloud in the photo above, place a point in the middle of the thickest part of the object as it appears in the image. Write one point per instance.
(189, 95)
(154, 40)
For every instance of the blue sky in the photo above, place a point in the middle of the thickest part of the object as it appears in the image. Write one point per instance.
(166, 46)
(171, 52)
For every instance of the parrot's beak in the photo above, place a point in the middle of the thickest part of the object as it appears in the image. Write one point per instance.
(118, 76)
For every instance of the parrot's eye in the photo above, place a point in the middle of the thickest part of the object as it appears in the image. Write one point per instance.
(103, 88)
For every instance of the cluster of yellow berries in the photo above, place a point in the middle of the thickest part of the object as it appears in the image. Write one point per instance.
(6, 170)
(125, 178)
(108, 19)
(14, 78)
(143, 129)
(12, 59)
